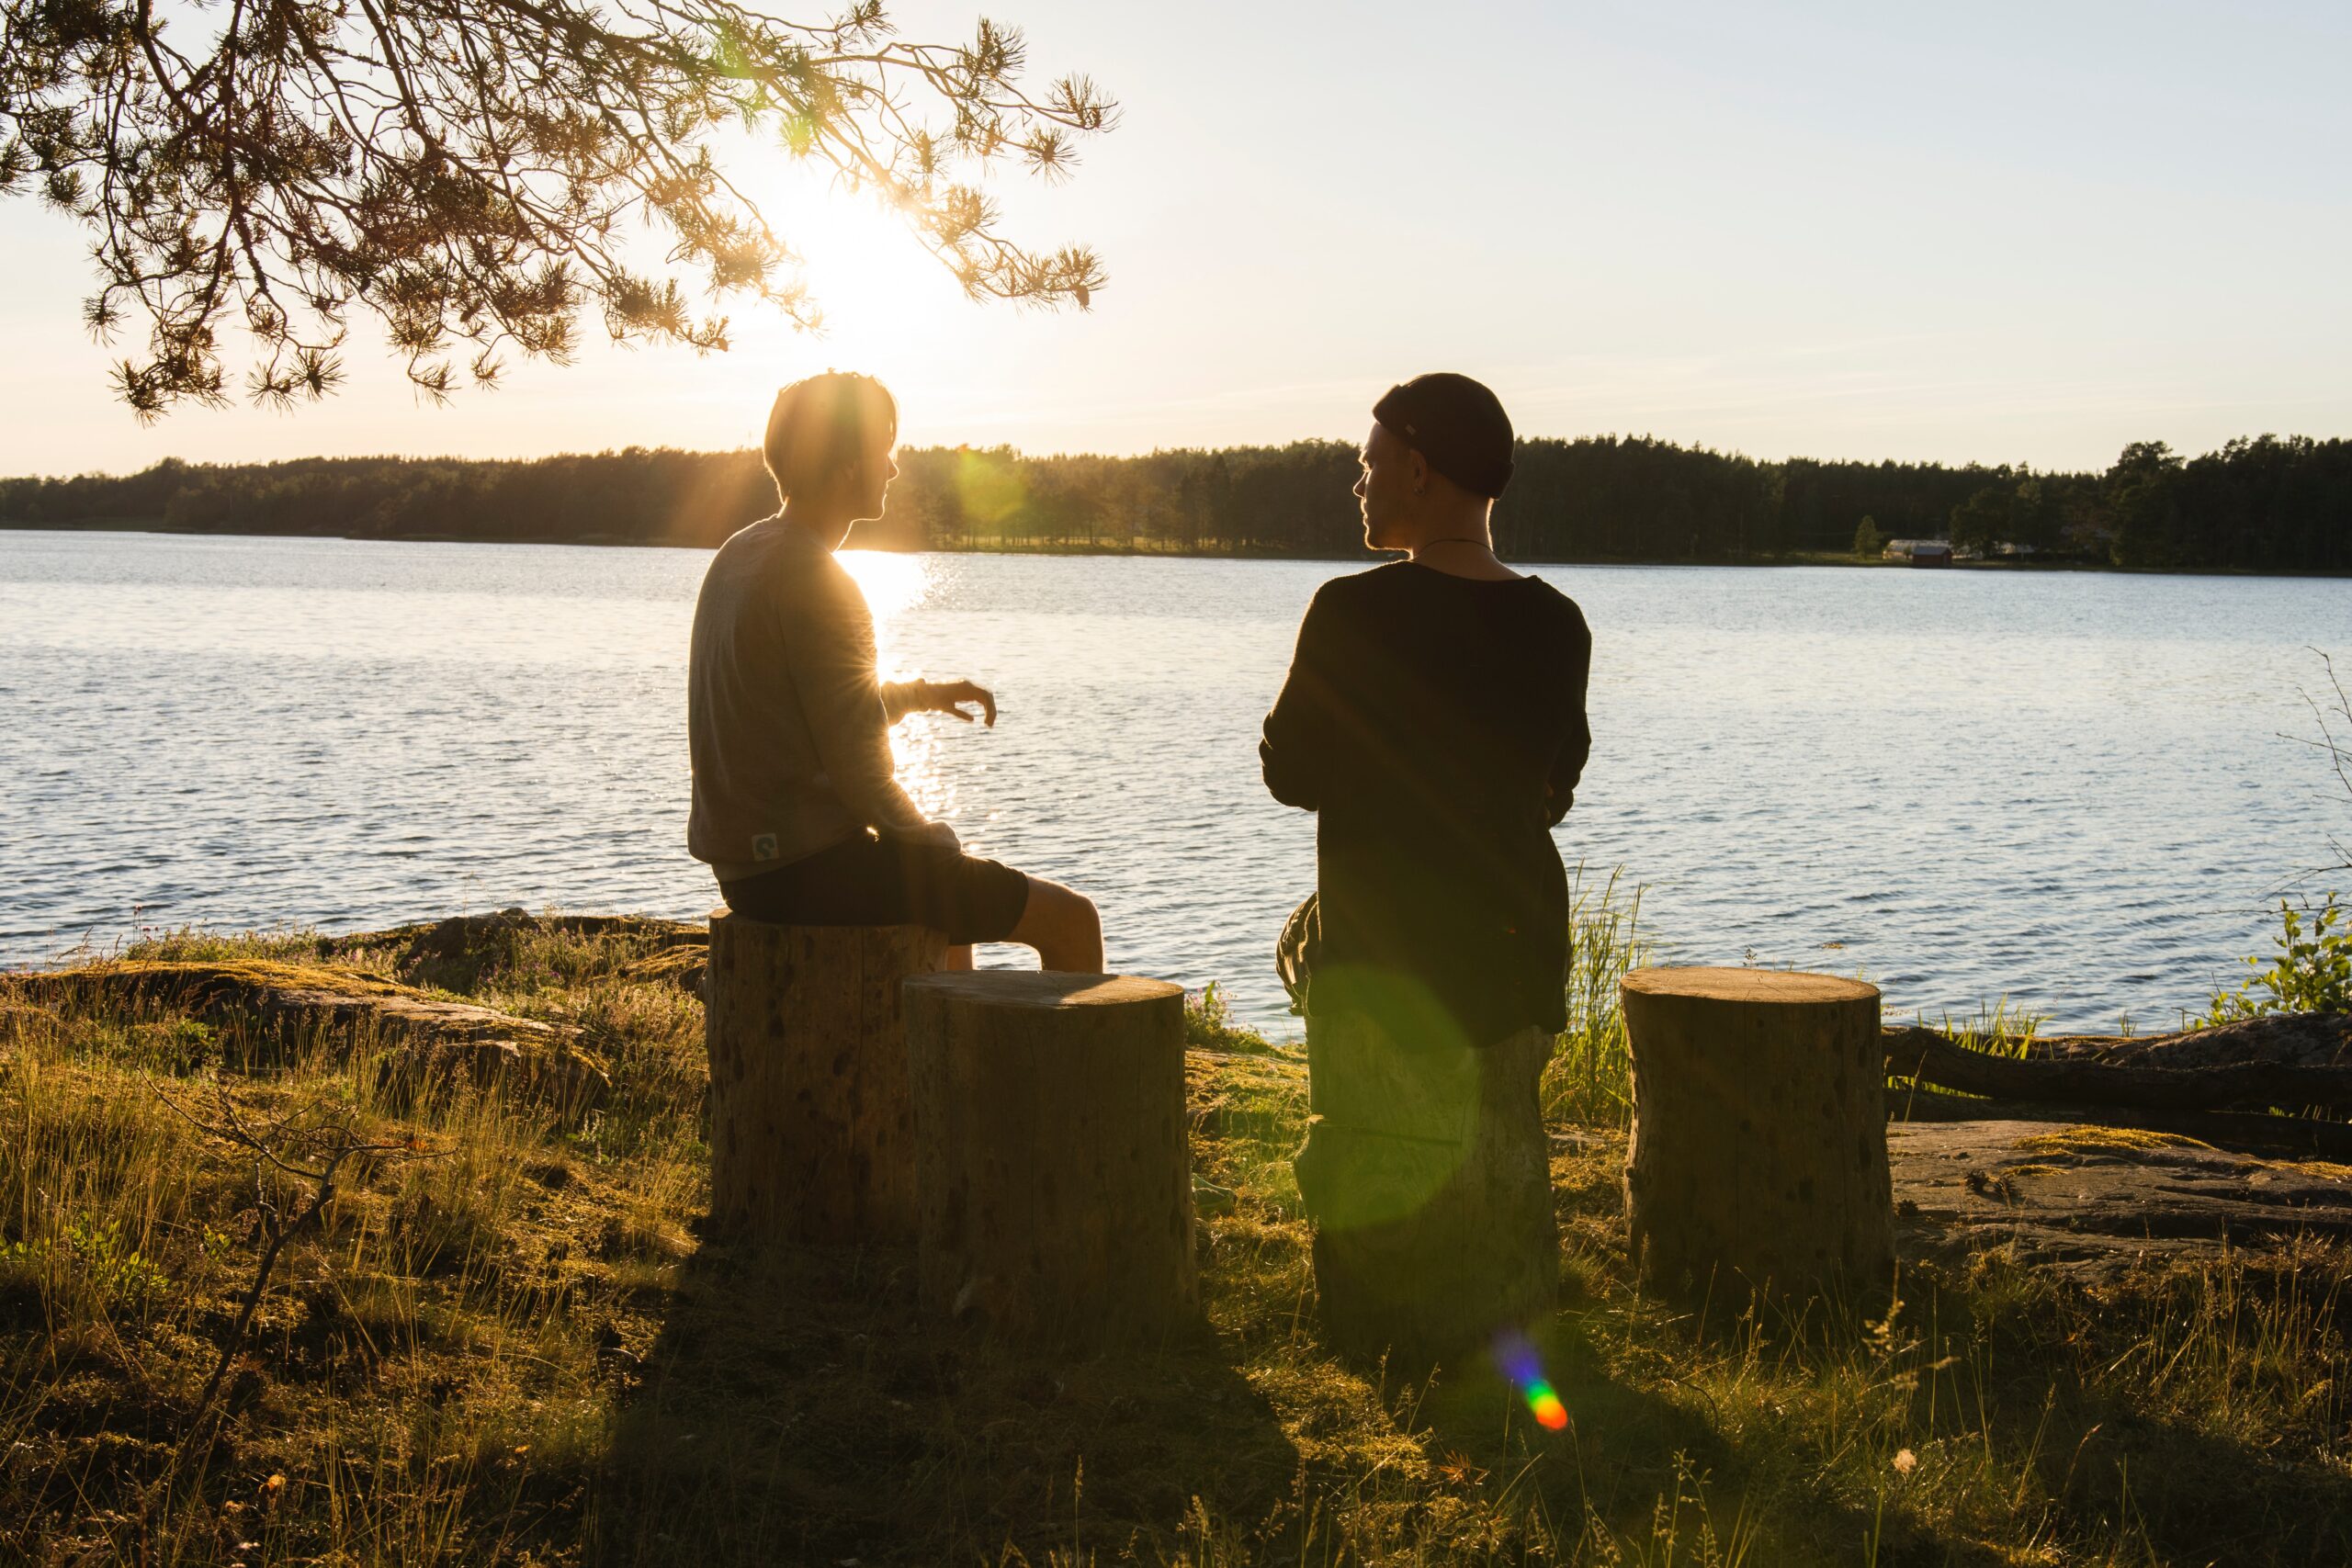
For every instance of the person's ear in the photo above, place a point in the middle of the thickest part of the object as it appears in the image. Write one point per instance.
(1417, 469)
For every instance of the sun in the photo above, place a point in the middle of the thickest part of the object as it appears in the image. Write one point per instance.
(887, 302)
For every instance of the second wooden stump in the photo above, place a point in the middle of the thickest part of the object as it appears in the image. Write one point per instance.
(1759, 1150)
(1055, 1180)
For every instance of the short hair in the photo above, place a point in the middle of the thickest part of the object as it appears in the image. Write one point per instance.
(820, 424)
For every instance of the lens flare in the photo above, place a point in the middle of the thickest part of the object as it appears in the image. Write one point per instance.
(1522, 1364)
(1546, 1404)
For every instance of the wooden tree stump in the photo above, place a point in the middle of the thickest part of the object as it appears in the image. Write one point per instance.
(811, 1125)
(1056, 1183)
(1758, 1149)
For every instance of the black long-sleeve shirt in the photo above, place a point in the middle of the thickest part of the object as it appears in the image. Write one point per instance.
(1436, 725)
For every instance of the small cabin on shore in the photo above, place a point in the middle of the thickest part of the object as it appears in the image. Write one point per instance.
(1919, 552)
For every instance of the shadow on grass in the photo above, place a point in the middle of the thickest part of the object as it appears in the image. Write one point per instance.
(2188, 1496)
(801, 1409)
(2144, 1464)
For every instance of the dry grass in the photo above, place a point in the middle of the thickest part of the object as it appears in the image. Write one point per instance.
(519, 1350)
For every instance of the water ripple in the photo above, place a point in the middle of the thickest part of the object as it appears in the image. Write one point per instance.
(2067, 790)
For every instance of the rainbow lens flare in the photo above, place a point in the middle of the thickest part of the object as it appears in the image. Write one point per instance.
(1547, 1405)
(1519, 1363)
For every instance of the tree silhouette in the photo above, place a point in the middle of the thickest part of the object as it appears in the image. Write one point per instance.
(1983, 520)
(476, 173)
(2267, 504)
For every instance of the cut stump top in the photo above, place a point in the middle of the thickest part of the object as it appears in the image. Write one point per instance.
(1042, 991)
(1770, 987)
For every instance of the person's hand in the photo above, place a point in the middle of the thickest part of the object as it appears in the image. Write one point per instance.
(949, 696)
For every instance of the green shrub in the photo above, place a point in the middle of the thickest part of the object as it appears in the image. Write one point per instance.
(89, 1264)
(2312, 971)
(1209, 1025)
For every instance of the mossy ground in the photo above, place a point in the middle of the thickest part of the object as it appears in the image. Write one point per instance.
(2092, 1140)
(516, 1348)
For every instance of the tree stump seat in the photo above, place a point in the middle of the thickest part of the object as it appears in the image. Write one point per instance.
(812, 1135)
(1758, 1159)
(1055, 1179)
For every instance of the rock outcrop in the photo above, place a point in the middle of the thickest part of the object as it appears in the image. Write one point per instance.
(2091, 1199)
(266, 1010)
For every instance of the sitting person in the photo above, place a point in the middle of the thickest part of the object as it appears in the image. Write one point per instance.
(1434, 720)
(796, 807)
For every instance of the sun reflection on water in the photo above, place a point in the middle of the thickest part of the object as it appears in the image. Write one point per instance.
(893, 584)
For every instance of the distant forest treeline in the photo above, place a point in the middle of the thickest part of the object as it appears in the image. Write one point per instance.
(2263, 505)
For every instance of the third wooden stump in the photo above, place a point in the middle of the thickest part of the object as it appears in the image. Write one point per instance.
(1759, 1148)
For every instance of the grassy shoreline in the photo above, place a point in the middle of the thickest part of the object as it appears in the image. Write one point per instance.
(505, 1341)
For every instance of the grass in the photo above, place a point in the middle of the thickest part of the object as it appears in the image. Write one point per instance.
(507, 1344)
(1590, 1077)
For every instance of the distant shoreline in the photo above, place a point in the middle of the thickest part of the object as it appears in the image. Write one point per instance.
(607, 541)
(2264, 506)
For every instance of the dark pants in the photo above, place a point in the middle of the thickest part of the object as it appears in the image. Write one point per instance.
(870, 880)
(1427, 1178)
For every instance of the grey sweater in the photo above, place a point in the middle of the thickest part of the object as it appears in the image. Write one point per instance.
(786, 723)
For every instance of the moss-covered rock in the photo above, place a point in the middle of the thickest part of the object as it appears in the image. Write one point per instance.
(266, 1010)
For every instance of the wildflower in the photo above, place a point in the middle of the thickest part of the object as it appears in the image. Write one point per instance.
(1906, 1461)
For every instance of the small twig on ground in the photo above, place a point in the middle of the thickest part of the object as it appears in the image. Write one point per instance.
(329, 1146)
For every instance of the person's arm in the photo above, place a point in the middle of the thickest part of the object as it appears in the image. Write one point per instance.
(1295, 747)
(900, 698)
(1575, 749)
(829, 652)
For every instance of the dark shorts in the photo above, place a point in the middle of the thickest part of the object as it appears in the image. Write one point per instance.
(873, 881)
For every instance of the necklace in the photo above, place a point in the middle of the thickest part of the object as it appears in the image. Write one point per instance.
(1508, 575)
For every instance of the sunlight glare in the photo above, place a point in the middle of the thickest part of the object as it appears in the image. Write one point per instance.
(892, 582)
(885, 301)
(895, 584)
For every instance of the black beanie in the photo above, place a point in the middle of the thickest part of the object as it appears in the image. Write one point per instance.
(1456, 425)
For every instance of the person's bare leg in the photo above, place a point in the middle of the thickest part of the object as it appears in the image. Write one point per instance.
(1063, 927)
(957, 958)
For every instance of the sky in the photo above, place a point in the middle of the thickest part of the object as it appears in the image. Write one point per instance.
(1995, 232)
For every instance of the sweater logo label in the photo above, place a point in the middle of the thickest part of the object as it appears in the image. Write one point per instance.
(764, 847)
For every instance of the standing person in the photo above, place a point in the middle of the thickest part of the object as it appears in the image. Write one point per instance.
(1434, 721)
(796, 806)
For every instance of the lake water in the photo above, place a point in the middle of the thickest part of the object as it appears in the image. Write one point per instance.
(2071, 790)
